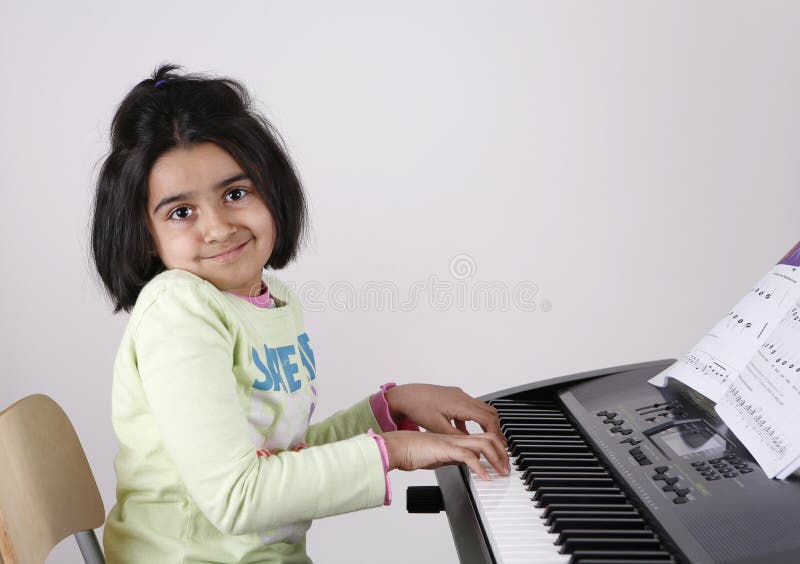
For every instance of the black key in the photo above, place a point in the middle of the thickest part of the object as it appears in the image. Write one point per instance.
(525, 462)
(532, 470)
(555, 447)
(636, 561)
(576, 491)
(538, 428)
(567, 534)
(560, 524)
(619, 556)
(682, 491)
(585, 499)
(661, 469)
(530, 476)
(599, 543)
(671, 480)
(537, 482)
(596, 508)
(585, 516)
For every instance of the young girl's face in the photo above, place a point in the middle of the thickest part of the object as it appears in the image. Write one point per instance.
(206, 216)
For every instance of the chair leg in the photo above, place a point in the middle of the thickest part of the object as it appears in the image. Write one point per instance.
(90, 548)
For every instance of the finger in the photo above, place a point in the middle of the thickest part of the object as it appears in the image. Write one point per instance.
(445, 427)
(489, 424)
(461, 426)
(492, 450)
(501, 463)
(469, 458)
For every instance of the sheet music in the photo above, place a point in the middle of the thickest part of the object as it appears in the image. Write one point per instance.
(761, 405)
(749, 365)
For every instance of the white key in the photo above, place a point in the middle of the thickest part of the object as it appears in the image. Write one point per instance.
(516, 531)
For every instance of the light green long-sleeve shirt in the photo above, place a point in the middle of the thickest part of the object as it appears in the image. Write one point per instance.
(203, 380)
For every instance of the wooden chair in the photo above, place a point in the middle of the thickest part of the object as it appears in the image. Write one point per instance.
(47, 490)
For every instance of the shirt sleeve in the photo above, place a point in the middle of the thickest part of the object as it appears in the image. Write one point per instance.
(343, 424)
(184, 354)
(380, 408)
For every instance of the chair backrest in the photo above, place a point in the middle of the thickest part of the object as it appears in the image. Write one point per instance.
(47, 490)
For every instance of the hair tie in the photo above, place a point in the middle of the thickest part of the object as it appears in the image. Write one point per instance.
(160, 82)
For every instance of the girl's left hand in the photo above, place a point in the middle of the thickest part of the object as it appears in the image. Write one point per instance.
(441, 409)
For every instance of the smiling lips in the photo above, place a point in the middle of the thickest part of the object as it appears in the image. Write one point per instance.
(229, 254)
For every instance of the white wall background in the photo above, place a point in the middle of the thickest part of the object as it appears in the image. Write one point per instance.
(637, 161)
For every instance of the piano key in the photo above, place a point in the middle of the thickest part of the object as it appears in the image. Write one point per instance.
(575, 492)
(556, 507)
(563, 523)
(637, 561)
(587, 499)
(557, 449)
(513, 525)
(620, 556)
(536, 482)
(524, 462)
(623, 544)
(566, 534)
(533, 416)
(557, 491)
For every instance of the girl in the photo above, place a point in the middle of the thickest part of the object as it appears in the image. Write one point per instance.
(215, 378)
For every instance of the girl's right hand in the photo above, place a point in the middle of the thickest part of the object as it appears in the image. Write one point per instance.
(412, 450)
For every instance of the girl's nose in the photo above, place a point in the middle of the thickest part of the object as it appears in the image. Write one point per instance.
(217, 227)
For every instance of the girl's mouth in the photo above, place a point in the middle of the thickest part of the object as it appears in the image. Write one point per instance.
(229, 254)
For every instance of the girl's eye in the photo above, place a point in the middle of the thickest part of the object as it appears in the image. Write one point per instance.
(237, 194)
(180, 214)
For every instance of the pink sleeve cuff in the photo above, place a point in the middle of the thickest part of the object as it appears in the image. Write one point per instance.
(380, 408)
(387, 498)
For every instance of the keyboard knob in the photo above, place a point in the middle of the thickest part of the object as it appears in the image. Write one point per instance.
(424, 499)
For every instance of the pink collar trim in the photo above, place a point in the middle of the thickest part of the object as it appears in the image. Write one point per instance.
(263, 300)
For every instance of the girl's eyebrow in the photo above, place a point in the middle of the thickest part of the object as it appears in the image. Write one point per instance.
(184, 195)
